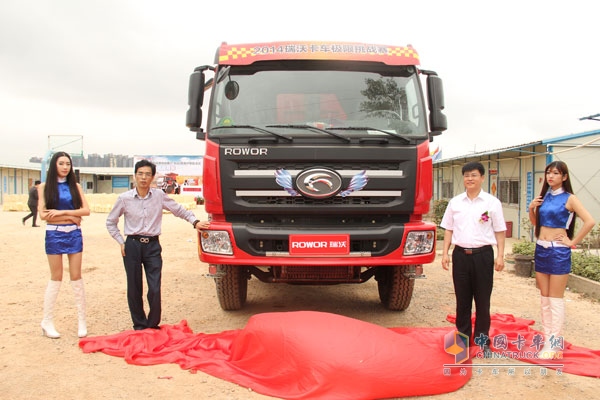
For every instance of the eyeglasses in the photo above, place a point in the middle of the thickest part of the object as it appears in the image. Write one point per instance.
(474, 176)
(142, 174)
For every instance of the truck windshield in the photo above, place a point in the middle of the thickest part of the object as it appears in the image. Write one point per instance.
(357, 100)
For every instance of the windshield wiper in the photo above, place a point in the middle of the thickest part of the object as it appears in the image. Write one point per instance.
(312, 128)
(256, 128)
(367, 128)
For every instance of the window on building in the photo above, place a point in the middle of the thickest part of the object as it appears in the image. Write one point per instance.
(509, 191)
(447, 190)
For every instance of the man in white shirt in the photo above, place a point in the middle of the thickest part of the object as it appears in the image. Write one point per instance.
(474, 223)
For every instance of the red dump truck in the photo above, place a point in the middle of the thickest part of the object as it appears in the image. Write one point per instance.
(317, 168)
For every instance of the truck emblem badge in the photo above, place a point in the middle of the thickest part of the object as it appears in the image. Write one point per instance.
(319, 183)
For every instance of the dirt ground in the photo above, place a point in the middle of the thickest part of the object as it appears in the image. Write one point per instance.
(35, 367)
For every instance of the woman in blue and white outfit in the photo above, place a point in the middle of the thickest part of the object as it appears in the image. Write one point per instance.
(62, 205)
(553, 214)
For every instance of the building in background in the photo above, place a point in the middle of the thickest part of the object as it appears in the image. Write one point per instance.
(516, 174)
(107, 174)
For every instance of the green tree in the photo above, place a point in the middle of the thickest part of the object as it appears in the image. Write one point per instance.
(439, 208)
(384, 95)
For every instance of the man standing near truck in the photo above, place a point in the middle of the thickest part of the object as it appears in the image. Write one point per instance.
(143, 210)
(474, 223)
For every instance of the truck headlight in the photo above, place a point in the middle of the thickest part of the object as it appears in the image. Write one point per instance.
(419, 242)
(216, 242)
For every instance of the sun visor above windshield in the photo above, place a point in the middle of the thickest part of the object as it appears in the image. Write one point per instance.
(246, 54)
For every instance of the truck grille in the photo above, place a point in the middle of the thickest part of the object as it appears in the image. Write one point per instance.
(262, 247)
(298, 200)
(357, 166)
(249, 184)
(317, 274)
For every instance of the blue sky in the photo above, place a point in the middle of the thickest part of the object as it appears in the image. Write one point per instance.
(116, 71)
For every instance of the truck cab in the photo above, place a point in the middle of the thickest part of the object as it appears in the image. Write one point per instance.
(317, 167)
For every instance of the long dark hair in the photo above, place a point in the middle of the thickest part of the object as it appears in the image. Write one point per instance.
(51, 188)
(564, 170)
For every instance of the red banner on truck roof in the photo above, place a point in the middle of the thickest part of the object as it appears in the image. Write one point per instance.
(245, 54)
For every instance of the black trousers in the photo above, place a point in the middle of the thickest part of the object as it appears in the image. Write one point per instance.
(473, 277)
(33, 213)
(148, 256)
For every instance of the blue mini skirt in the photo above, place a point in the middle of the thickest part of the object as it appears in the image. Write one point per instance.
(63, 239)
(553, 260)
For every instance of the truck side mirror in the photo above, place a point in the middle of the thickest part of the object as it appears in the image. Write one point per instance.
(193, 118)
(435, 97)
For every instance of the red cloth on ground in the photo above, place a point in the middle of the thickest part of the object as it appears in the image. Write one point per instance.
(300, 355)
(306, 354)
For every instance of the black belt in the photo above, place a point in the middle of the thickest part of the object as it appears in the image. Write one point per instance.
(474, 250)
(143, 239)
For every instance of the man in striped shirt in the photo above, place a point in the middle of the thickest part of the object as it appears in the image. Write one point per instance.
(142, 208)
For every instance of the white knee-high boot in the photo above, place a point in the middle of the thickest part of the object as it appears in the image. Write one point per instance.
(557, 307)
(49, 301)
(79, 292)
(546, 314)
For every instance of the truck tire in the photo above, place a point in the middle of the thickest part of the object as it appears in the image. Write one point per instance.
(232, 287)
(395, 289)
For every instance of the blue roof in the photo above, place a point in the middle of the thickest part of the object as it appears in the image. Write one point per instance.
(524, 145)
(571, 136)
